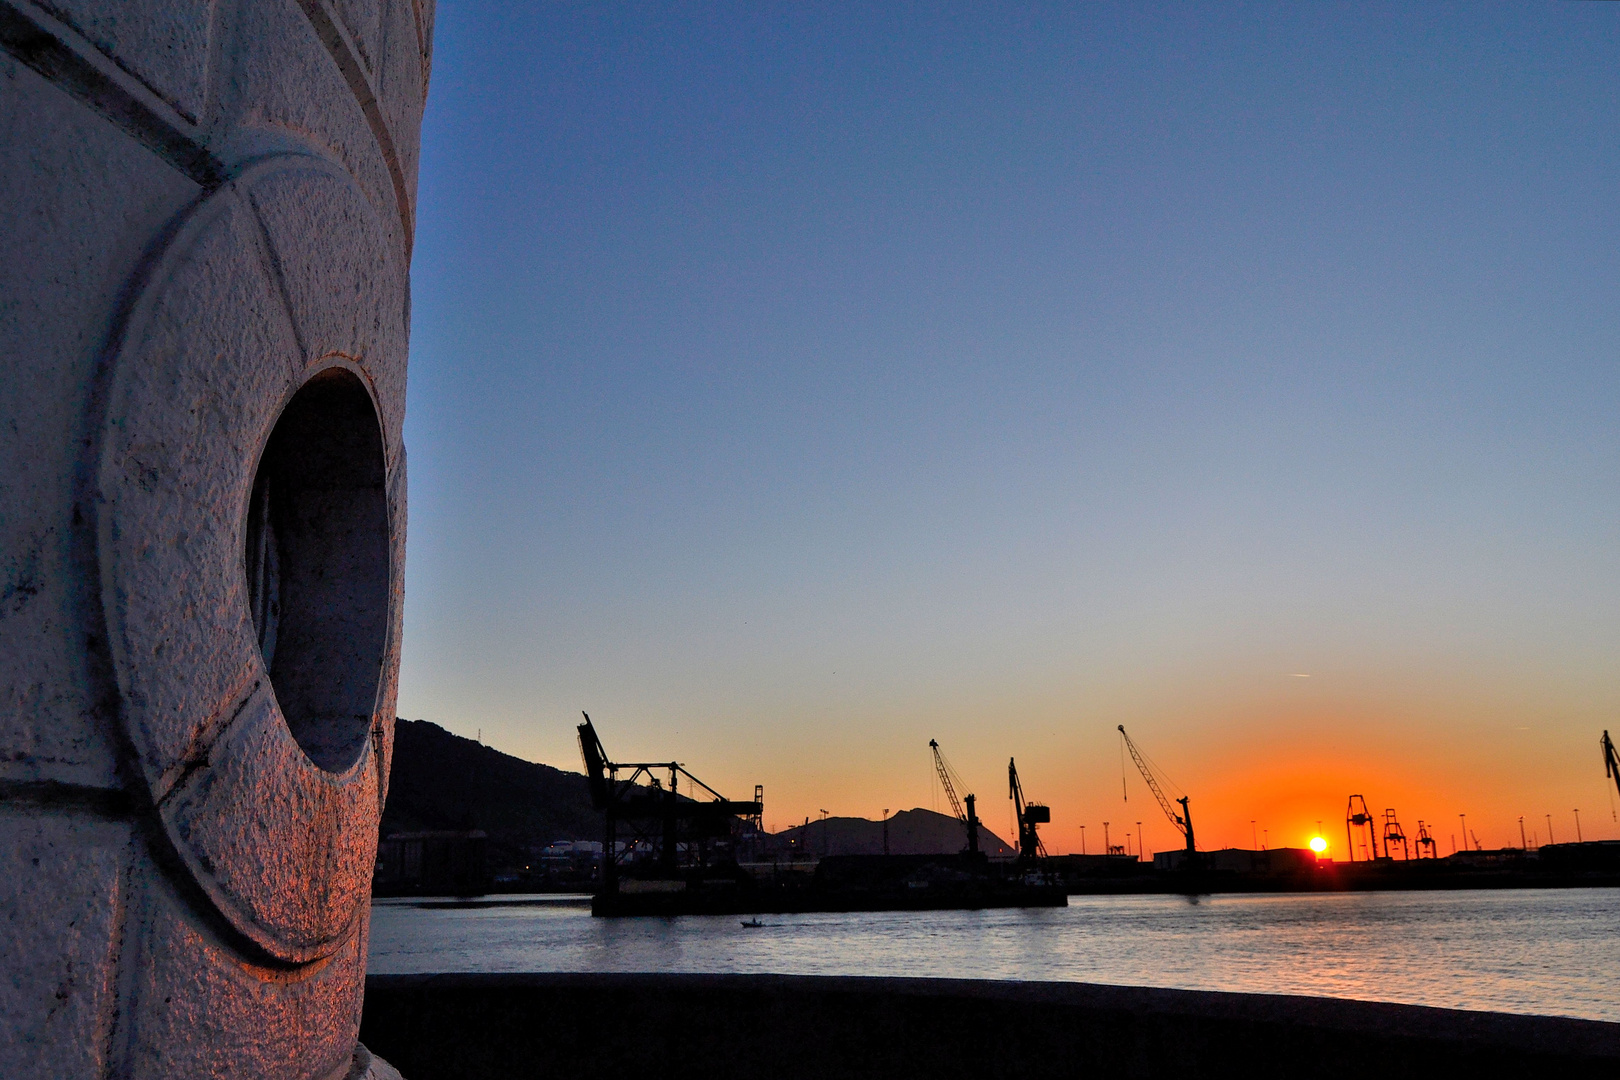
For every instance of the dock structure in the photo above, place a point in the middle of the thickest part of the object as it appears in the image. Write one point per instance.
(657, 840)
(670, 845)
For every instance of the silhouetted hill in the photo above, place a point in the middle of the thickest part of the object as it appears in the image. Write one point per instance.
(911, 832)
(443, 781)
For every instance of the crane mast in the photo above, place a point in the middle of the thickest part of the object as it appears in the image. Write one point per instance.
(1030, 815)
(968, 817)
(1611, 764)
(1183, 820)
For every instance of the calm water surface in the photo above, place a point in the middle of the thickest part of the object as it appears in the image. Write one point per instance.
(1526, 951)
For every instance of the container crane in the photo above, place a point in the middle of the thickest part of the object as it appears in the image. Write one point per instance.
(1362, 818)
(1029, 816)
(968, 817)
(1393, 833)
(1425, 841)
(1183, 820)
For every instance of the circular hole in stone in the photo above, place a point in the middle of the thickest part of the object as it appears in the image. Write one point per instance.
(317, 565)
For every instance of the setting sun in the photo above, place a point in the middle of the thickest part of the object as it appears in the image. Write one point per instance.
(1318, 844)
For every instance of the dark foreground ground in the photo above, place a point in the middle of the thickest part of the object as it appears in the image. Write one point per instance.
(782, 1027)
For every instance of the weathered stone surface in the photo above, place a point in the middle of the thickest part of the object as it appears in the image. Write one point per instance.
(401, 85)
(362, 20)
(345, 300)
(369, 1066)
(62, 873)
(197, 1007)
(164, 43)
(209, 358)
(382, 739)
(282, 845)
(203, 241)
(66, 250)
(284, 848)
(281, 91)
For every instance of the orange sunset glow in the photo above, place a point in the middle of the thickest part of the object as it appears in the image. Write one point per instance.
(1286, 760)
(1283, 752)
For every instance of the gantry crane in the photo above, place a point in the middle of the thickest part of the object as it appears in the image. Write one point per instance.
(1029, 816)
(1392, 833)
(1425, 841)
(1183, 820)
(968, 817)
(667, 833)
(1360, 818)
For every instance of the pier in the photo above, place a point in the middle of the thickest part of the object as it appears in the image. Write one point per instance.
(450, 1027)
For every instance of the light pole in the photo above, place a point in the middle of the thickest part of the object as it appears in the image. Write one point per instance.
(1550, 839)
(885, 830)
(1082, 839)
(1578, 838)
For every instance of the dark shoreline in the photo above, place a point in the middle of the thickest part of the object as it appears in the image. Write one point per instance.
(1125, 886)
(446, 1027)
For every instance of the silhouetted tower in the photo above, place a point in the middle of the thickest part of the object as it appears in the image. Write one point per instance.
(1425, 842)
(1360, 819)
(756, 823)
(1393, 833)
(1029, 816)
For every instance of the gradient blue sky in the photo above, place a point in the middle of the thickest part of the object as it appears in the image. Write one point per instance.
(791, 384)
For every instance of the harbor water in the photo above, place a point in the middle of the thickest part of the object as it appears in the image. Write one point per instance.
(1549, 952)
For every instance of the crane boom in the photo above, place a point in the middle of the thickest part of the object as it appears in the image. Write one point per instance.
(1153, 785)
(969, 817)
(1183, 820)
(944, 772)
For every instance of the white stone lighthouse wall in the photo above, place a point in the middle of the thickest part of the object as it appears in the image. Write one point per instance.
(206, 215)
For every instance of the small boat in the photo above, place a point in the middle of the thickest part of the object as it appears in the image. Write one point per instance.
(752, 922)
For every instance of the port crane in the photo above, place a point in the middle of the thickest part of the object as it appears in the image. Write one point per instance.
(1030, 815)
(969, 817)
(1362, 818)
(672, 829)
(1393, 833)
(1425, 841)
(1611, 764)
(1183, 820)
